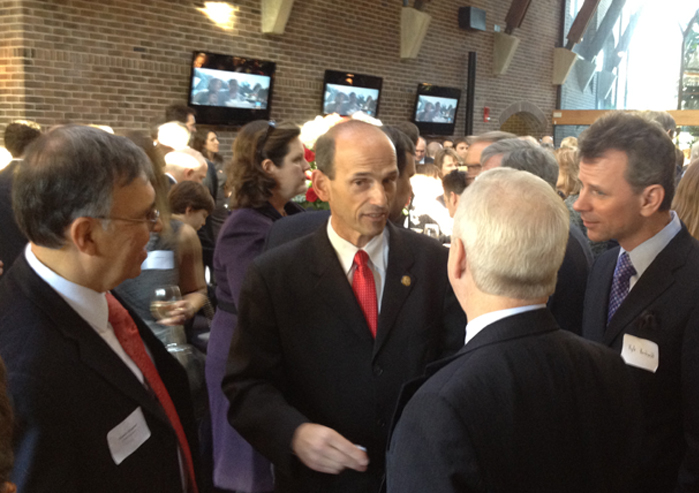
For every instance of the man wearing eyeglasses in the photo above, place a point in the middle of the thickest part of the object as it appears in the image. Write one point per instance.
(100, 404)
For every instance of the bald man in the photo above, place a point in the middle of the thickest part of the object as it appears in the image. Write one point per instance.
(314, 389)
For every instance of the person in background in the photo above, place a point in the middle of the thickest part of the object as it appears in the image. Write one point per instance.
(6, 427)
(405, 160)
(568, 183)
(433, 148)
(267, 171)
(421, 156)
(447, 160)
(569, 143)
(454, 184)
(182, 113)
(686, 200)
(477, 144)
(461, 147)
(190, 203)
(448, 143)
(18, 135)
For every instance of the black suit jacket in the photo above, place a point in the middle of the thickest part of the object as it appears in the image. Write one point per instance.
(302, 351)
(69, 389)
(523, 407)
(663, 307)
(12, 241)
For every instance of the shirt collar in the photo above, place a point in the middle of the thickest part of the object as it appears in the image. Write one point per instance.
(346, 250)
(481, 322)
(89, 304)
(644, 254)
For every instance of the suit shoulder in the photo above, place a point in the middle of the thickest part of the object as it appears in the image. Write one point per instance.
(421, 245)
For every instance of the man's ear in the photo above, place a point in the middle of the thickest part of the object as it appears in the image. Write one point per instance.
(321, 185)
(82, 234)
(651, 198)
(457, 259)
(188, 210)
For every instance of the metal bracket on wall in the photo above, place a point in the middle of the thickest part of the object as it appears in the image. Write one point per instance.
(275, 14)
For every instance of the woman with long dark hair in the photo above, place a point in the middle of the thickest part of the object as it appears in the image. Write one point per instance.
(266, 172)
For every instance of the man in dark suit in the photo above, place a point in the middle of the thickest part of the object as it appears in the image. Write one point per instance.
(524, 406)
(566, 303)
(100, 405)
(331, 325)
(641, 297)
(18, 135)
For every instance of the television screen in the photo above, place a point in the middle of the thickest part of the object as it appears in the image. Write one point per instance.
(212, 87)
(230, 90)
(436, 109)
(345, 93)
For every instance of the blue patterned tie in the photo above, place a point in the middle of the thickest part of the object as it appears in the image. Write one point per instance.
(620, 284)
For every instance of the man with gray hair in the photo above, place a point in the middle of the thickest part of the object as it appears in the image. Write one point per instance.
(473, 155)
(100, 404)
(567, 301)
(514, 410)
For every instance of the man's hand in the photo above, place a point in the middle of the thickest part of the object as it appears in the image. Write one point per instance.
(325, 450)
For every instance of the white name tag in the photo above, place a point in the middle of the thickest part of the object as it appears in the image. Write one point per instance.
(159, 260)
(640, 353)
(125, 438)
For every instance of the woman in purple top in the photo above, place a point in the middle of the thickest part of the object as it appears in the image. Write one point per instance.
(266, 172)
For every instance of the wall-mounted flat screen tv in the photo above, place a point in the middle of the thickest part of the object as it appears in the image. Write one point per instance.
(230, 90)
(346, 93)
(436, 109)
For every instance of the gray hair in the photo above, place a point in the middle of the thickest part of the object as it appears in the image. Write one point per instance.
(514, 229)
(71, 172)
(494, 136)
(526, 156)
(504, 147)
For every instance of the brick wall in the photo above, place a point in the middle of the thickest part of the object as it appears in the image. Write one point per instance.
(121, 62)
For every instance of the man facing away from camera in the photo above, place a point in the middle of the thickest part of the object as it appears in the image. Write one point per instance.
(524, 406)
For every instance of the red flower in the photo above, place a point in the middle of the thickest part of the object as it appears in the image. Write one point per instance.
(311, 195)
(309, 155)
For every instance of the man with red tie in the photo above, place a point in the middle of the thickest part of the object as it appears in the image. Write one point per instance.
(99, 403)
(331, 325)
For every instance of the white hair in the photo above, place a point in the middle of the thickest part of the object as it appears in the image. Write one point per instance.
(514, 229)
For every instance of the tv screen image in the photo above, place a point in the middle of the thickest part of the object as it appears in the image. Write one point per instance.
(435, 109)
(230, 90)
(211, 87)
(347, 100)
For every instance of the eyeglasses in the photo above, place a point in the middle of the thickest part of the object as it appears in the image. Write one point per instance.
(263, 140)
(151, 219)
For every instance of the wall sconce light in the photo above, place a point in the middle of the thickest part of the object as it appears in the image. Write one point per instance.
(220, 13)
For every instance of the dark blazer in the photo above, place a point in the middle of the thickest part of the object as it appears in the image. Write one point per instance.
(69, 389)
(12, 241)
(303, 352)
(291, 227)
(663, 307)
(523, 407)
(566, 303)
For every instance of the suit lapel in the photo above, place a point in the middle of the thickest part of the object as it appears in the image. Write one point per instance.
(94, 351)
(654, 282)
(332, 287)
(597, 298)
(399, 283)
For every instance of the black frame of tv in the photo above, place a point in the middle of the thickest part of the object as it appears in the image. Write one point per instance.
(435, 128)
(350, 79)
(224, 115)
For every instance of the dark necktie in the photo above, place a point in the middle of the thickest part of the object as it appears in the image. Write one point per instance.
(365, 290)
(620, 284)
(127, 333)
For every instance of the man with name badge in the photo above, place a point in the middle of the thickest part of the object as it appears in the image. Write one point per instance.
(641, 297)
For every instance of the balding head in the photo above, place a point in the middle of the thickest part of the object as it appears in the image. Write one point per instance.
(186, 165)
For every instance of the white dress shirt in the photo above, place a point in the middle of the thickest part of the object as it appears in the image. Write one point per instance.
(376, 249)
(644, 254)
(481, 322)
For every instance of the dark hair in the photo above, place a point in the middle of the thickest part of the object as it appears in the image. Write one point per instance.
(462, 140)
(71, 172)
(6, 424)
(454, 181)
(409, 129)
(650, 152)
(199, 144)
(18, 135)
(190, 194)
(257, 141)
(179, 112)
(403, 145)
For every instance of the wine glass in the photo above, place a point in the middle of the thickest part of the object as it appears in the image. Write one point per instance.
(163, 300)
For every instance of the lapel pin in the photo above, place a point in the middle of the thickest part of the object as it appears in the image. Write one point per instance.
(405, 281)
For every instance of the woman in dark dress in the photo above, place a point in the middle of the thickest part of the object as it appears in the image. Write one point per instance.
(266, 172)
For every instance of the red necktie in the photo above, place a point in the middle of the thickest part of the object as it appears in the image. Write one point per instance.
(127, 333)
(365, 290)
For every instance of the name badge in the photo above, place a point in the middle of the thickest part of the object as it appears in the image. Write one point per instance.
(641, 353)
(159, 260)
(126, 437)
